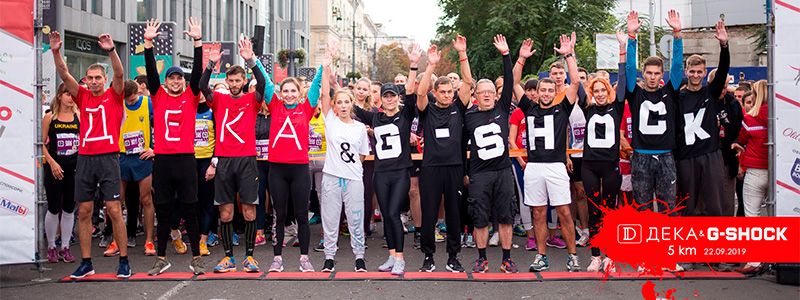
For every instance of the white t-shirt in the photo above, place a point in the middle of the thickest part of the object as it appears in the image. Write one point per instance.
(345, 143)
(577, 133)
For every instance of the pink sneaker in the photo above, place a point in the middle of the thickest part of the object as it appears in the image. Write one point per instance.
(531, 244)
(52, 255)
(66, 256)
(556, 242)
(261, 240)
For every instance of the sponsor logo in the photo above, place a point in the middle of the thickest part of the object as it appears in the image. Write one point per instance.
(795, 171)
(796, 78)
(792, 134)
(7, 186)
(13, 207)
(629, 234)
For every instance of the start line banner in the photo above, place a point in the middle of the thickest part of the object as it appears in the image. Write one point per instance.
(17, 117)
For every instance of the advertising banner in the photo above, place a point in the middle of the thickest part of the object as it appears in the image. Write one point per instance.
(787, 108)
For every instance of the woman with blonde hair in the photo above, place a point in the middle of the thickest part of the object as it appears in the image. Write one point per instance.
(60, 132)
(753, 152)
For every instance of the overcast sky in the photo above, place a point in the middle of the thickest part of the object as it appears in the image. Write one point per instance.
(412, 18)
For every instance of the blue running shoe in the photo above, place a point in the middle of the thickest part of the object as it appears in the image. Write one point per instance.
(124, 269)
(235, 239)
(442, 227)
(227, 264)
(84, 269)
(213, 240)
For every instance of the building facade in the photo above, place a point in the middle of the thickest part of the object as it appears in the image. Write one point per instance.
(281, 33)
(346, 23)
(83, 20)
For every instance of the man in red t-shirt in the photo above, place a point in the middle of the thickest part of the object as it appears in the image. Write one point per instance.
(236, 173)
(174, 112)
(97, 174)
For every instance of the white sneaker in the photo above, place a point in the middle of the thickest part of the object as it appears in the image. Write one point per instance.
(494, 240)
(594, 266)
(583, 241)
(608, 265)
(573, 265)
(399, 267)
(387, 266)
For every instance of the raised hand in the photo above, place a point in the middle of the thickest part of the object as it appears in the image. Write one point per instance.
(500, 44)
(215, 54)
(105, 42)
(327, 60)
(622, 38)
(151, 31)
(566, 44)
(526, 50)
(722, 33)
(414, 54)
(633, 22)
(195, 29)
(245, 49)
(674, 20)
(460, 43)
(55, 40)
(433, 55)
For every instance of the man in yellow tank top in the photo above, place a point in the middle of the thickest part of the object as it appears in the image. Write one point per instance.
(136, 165)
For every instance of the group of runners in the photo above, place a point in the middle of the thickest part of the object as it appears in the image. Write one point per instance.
(255, 150)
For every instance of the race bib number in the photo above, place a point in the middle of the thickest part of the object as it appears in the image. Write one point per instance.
(201, 135)
(262, 149)
(66, 144)
(442, 133)
(314, 141)
(578, 133)
(134, 142)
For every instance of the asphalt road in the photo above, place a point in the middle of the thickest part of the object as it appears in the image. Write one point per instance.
(15, 281)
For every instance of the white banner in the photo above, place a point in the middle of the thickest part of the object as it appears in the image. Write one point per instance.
(607, 48)
(17, 117)
(787, 107)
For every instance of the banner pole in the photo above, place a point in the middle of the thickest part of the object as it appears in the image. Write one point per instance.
(38, 155)
(770, 27)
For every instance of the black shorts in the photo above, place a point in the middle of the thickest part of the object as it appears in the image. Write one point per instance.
(236, 175)
(492, 198)
(174, 174)
(576, 176)
(95, 173)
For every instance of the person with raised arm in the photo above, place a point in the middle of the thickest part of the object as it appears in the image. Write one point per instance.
(546, 178)
(654, 112)
(175, 110)
(442, 167)
(97, 166)
(235, 168)
(491, 182)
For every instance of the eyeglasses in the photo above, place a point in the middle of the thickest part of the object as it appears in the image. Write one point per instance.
(486, 92)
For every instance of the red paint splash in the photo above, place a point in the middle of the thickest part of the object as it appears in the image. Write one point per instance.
(649, 292)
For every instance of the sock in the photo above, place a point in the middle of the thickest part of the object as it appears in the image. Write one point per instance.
(67, 222)
(87, 260)
(175, 234)
(226, 235)
(249, 237)
(123, 258)
(506, 254)
(50, 228)
(482, 253)
(417, 230)
(595, 251)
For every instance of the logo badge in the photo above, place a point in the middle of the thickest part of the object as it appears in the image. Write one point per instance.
(795, 172)
(629, 234)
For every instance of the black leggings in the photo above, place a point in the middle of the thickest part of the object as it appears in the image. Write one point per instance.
(391, 187)
(164, 213)
(601, 180)
(263, 198)
(293, 184)
(369, 170)
(60, 193)
(209, 215)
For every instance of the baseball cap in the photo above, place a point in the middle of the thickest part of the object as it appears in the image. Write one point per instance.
(389, 87)
(173, 70)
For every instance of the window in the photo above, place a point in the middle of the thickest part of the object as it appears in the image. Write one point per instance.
(84, 6)
(114, 10)
(206, 17)
(242, 21)
(122, 12)
(173, 10)
(280, 8)
(229, 20)
(219, 20)
(97, 7)
(164, 10)
(68, 3)
(145, 10)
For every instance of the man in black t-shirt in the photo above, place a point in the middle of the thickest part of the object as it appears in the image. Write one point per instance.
(442, 169)
(700, 167)
(491, 183)
(546, 178)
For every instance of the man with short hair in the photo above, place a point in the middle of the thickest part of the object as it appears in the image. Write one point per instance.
(455, 79)
(175, 109)
(400, 79)
(235, 114)
(442, 168)
(653, 109)
(141, 81)
(98, 155)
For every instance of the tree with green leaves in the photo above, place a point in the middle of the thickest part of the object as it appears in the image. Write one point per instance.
(542, 20)
(391, 60)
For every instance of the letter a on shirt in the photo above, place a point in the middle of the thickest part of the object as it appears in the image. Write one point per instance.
(282, 134)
